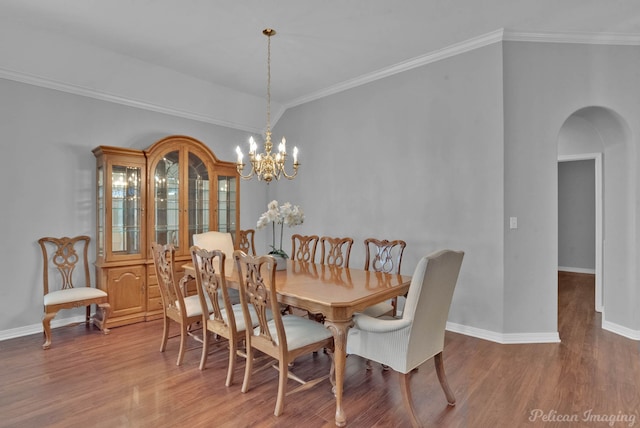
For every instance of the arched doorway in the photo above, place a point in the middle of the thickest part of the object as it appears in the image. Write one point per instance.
(602, 135)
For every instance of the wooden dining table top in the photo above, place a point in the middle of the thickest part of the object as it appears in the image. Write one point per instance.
(323, 288)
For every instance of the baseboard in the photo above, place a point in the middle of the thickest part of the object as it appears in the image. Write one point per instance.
(576, 270)
(504, 338)
(37, 328)
(619, 329)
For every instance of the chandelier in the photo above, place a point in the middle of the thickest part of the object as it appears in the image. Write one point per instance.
(267, 166)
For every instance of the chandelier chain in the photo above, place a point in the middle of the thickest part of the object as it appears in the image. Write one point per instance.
(269, 83)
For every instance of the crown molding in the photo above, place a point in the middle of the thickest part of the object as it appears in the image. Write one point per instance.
(419, 61)
(118, 99)
(613, 39)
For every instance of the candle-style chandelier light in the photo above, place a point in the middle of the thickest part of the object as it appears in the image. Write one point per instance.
(267, 166)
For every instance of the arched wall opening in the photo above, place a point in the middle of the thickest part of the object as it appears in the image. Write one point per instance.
(601, 134)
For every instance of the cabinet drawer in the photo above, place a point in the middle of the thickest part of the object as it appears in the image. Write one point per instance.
(154, 304)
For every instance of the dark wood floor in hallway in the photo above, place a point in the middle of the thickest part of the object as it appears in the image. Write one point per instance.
(590, 379)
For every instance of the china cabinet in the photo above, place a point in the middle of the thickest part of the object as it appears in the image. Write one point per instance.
(166, 193)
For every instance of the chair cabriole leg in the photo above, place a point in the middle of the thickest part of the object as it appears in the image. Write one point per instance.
(442, 377)
(46, 325)
(405, 387)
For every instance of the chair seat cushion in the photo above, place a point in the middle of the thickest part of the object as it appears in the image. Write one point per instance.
(70, 295)
(192, 306)
(300, 331)
(379, 309)
(239, 316)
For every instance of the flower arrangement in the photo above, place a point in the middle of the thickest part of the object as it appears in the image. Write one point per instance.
(285, 214)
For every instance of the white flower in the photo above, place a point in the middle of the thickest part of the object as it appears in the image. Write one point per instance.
(294, 216)
(286, 214)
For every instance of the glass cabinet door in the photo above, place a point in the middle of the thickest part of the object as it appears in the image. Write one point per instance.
(100, 213)
(120, 203)
(227, 198)
(198, 197)
(126, 209)
(167, 200)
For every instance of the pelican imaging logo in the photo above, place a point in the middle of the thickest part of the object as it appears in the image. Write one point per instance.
(588, 416)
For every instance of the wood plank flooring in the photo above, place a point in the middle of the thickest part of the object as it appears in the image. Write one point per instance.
(122, 380)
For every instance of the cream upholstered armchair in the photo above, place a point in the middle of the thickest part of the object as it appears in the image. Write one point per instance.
(214, 240)
(405, 343)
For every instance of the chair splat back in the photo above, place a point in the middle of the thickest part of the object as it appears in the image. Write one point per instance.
(336, 251)
(260, 293)
(65, 258)
(383, 255)
(303, 247)
(247, 243)
(164, 263)
(209, 267)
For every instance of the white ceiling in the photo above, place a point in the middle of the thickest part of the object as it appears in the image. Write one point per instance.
(320, 44)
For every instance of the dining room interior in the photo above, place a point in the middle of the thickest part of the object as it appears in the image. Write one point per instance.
(423, 123)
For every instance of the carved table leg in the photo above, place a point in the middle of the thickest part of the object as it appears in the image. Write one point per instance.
(339, 330)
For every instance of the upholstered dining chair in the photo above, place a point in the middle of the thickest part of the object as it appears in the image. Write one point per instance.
(383, 256)
(285, 337)
(67, 283)
(247, 242)
(183, 310)
(303, 247)
(226, 319)
(335, 251)
(214, 240)
(405, 343)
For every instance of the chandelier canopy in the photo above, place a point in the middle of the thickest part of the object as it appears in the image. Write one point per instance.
(267, 166)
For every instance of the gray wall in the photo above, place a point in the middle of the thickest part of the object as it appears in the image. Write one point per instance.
(417, 156)
(576, 215)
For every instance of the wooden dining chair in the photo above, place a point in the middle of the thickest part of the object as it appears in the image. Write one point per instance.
(383, 256)
(226, 319)
(183, 310)
(67, 283)
(285, 337)
(335, 251)
(247, 243)
(303, 247)
(406, 343)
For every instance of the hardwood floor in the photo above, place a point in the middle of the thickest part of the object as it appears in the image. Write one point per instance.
(122, 380)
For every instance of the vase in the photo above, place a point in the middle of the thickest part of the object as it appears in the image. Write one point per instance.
(281, 262)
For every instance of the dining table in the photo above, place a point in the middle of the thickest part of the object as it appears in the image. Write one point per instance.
(335, 292)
